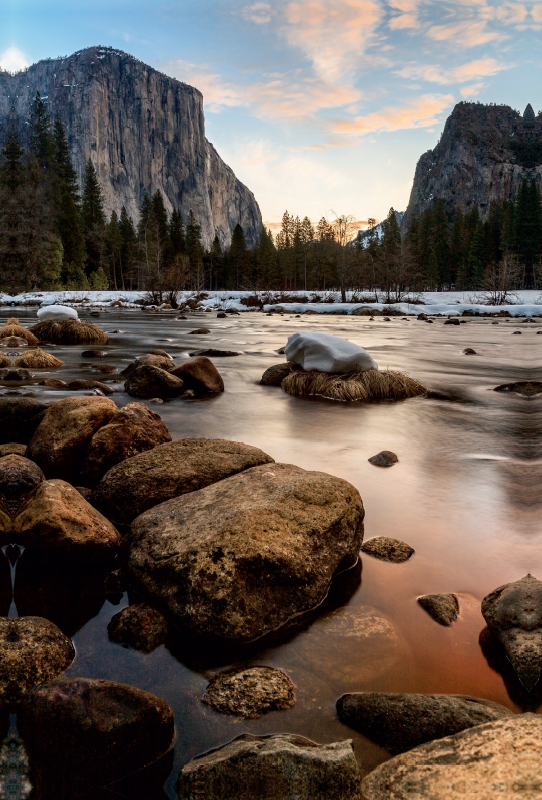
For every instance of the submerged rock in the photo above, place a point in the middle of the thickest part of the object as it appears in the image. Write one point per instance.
(59, 443)
(133, 429)
(139, 626)
(277, 767)
(213, 353)
(148, 381)
(169, 470)
(498, 759)
(387, 549)
(513, 614)
(200, 375)
(86, 383)
(82, 733)
(249, 693)
(238, 559)
(399, 722)
(444, 608)
(32, 651)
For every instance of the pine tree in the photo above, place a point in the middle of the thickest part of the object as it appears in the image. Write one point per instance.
(194, 250)
(238, 256)
(457, 249)
(528, 228)
(441, 244)
(41, 138)
(176, 232)
(128, 249)
(93, 219)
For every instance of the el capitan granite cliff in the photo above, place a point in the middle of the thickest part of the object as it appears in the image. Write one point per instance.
(485, 153)
(142, 130)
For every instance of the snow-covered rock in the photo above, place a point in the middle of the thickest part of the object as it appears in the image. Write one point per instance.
(327, 353)
(56, 312)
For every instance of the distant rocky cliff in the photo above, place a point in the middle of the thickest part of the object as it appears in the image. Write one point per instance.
(142, 130)
(484, 154)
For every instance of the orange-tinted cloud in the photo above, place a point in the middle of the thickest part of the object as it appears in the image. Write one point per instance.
(473, 70)
(422, 113)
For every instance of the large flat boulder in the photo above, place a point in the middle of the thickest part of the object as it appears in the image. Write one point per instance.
(169, 470)
(327, 353)
(278, 767)
(241, 557)
(399, 722)
(132, 430)
(58, 446)
(497, 760)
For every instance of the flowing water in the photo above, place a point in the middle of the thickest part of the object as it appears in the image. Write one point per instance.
(464, 494)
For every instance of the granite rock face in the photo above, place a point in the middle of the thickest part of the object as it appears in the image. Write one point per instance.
(142, 130)
(484, 154)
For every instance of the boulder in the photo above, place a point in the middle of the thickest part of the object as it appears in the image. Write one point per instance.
(132, 430)
(444, 608)
(19, 477)
(82, 733)
(19, 418)
(276, 767)
(58, 520)
(139, 626)
(169, 470)
(326, 353)
(164, 362)
(240, 558)
(273, 376)
(15, 374)
(498, 759)
(148, 381)
(82, 383)
(387, 549)
(399, 722)
(513, 614)
(59, 443)
(384, 459)
(12, 449)
(56, 312)
(200, 375)
(32, 651)
(163, 353)
(251, 692)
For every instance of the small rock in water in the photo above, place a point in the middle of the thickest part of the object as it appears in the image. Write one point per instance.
(422, 317)
(444, 608)
(95, 314)
(452, 322)
(53, 383)
(212, 353)
(183, 316)
(189, 394)
(496, 323)
(200, 375)
(279, 766)
(80, 384)
(513, 332)
(387, 549)
(468, 351)
(220, 315)
(156, 400)
(384, 459)
(250, 692)
(94, 353)
(161, 353)
(200, 331)
(273, 376)
(139, 626)
(281, 351)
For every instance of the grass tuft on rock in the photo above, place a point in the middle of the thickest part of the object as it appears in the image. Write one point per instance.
(14, 328)
(69, 331)
(371, 384)
(38, 359)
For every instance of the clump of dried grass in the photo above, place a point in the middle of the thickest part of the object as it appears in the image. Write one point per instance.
(38, 359)
(69, 331)
(371, 384)
(14, 328)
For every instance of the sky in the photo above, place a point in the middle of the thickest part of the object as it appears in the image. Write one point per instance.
(319, 106)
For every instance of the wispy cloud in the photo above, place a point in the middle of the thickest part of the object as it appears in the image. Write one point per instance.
(421, 113)
(260, 13)
(473, 70)
(13, 59)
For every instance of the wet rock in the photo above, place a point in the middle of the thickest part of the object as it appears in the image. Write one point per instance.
(85, 492)
(53, 383)
(213, 353)
(18, 478)
(148, 381)
(164, 362)
(94, 353)
(513, 614)
(517, 332)
(200, 375)
(132, 430)
(241, 557)
(444, 608)
(57, 519)
(12, 449)
(200, 331)
(95, 314)
(251, 692)
(384, 459)
(32, 651)
(139, 626)
(493, 760)
(82, 733)
(468, 351)
(387, 549)
(59, 443)
(105, 369)
(276, 767)
(170, 470)
(526, 388)
(399, 722)
(163, 353)
(221, 315)
(422, 317)
(19, 418)
(81, 383)
(273, 376)
(15, 374)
